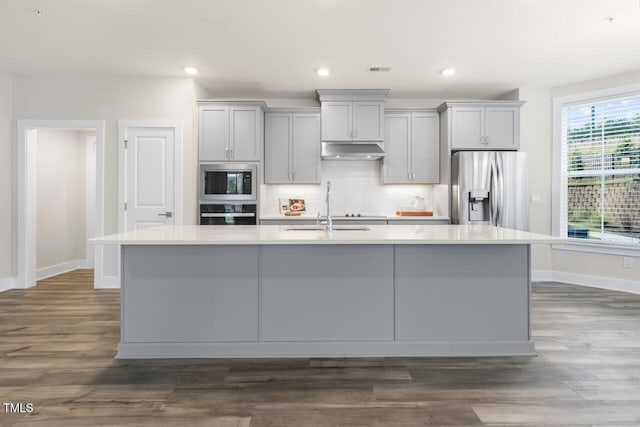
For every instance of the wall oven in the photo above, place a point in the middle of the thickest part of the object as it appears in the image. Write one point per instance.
(228, 182)
(228, 214)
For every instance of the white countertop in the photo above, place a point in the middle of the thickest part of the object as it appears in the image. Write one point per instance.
(280, 235)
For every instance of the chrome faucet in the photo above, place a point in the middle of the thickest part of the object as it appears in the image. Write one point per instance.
(328, 223)
(329, 227)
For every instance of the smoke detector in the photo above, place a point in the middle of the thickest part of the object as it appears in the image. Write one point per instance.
(379, 69)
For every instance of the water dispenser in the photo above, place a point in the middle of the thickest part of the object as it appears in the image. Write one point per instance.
(479, 205)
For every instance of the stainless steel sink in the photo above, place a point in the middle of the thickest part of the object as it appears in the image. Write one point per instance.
(321, 228)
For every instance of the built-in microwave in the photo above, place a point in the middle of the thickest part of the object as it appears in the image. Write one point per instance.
(228, 182)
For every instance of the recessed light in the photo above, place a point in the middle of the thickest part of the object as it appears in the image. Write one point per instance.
(323, 72)
(448, 72)
(37, 12)
(191, 70)
(610, 19)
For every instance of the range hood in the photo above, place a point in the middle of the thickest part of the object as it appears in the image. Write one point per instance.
(351, 151)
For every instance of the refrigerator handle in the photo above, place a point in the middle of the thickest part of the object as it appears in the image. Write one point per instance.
(500, 182)
(493, 194)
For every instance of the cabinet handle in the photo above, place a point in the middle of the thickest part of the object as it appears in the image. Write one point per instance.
(409, 175)
(226, 153)
(293, 176)
(230, 154)
(290, 177)
(486, 140)
(413, 176)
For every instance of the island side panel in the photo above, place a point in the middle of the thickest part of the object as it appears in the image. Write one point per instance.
(327, 293)
(462, 293)
(190, 294)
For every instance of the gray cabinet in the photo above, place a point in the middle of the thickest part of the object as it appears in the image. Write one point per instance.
(417, 221)
(347, 221)
(352, 115)
(286, 221)
(483, 125)
(292, 148)
(229, 132)
(411, 144)
(352, 121)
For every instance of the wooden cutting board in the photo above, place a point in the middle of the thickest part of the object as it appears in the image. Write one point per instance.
(414, 213)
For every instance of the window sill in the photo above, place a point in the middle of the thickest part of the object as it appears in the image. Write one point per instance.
(576, 245)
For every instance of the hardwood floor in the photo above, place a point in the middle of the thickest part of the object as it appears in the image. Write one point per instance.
(59, 338)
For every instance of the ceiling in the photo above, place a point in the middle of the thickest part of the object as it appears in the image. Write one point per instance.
(271, 48)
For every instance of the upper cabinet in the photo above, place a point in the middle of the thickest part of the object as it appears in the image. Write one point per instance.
(292, 148)
(483, 125)
(352, 115)
(229, 132)
(411, 144)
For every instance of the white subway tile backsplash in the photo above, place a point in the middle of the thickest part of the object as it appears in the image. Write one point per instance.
(355, 187)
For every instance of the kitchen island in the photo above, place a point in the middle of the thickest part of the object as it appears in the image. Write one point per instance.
(282, 291)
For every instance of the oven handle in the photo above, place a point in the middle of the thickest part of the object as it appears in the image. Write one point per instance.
(230, 214)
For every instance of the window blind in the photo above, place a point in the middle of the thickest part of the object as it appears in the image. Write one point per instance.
(601, 170)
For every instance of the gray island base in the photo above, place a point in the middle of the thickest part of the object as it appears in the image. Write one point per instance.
(325, 300)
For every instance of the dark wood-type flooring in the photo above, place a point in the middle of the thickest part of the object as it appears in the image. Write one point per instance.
(58, 339)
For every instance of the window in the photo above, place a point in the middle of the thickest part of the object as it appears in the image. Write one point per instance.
(600, 171)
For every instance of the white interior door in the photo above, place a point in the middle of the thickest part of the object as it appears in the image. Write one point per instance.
(149, 177)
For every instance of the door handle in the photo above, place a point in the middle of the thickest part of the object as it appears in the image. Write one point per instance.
(167, 214)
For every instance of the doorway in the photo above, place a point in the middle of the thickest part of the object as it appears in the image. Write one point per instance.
(91, 134)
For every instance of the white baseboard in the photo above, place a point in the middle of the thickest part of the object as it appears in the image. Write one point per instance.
(108, 282)
(623, 285)
(54, 270)
(541, 275)
(8, 283)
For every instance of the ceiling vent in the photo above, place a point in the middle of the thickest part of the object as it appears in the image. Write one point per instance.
(379, 69)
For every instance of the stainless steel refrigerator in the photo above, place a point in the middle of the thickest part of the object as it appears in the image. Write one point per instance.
(490, 187)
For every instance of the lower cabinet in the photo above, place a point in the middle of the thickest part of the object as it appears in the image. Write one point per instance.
(285, 221)
(392, 221)
(345, 221)
(292, 148)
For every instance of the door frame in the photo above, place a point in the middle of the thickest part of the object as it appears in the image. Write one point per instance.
(178, 128)
(27, 192)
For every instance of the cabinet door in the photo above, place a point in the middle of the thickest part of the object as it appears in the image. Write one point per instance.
(467, 128)
(245, 133)
(277, 149)
(368, 121)
(502, 127)
(424, 148)
(213, 129)
(337, 121)
(396, 163)
(306, 148)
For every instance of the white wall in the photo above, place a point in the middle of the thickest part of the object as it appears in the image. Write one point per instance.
(355, 188)
(6, 169)
(535, 139)
(111, 99)
(609, 266)
(61, 177)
